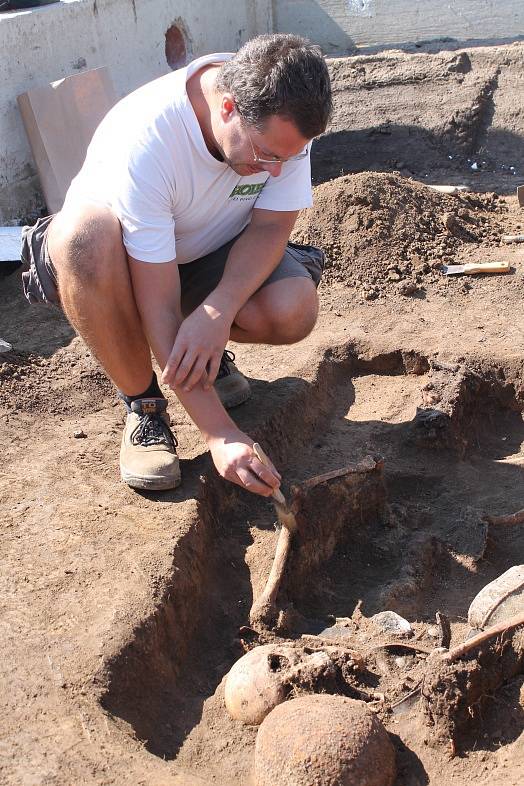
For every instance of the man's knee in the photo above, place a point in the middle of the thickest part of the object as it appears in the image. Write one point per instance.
(85, 244)
(292, 317)
(297, 323)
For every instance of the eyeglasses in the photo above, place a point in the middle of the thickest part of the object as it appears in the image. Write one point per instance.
(275, 159)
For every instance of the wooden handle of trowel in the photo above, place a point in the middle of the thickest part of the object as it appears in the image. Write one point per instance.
(487, 267)
(261, 456)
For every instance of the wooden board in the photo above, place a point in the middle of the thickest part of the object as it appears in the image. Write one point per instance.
(60, 119)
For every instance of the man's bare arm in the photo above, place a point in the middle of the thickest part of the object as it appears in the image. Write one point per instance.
(157, 294)
(204, 334)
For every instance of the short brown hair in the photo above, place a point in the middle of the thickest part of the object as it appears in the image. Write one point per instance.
(283, 75)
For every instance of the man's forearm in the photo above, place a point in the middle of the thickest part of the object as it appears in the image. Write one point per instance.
(253, 257)
(203, 406)
(157, 294)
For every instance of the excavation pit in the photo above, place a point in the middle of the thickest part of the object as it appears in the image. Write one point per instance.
(403, 536)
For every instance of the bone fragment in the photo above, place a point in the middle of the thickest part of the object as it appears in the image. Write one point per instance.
(506, 521)
(512, 238)
(264, 608)
(444, 627)
(366, 465)
(462, 649)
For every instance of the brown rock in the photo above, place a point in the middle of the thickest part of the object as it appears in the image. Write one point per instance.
(449, 220)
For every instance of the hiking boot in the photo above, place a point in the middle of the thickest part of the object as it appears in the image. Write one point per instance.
(231, 385)
(148, 458)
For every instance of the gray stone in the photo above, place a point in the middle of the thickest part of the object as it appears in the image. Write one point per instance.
(391, 622)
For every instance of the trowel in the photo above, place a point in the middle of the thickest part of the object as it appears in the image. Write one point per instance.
(473, 267)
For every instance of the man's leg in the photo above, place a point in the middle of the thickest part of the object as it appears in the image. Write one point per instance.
(95, 292)
(282, 312)
(96, 295)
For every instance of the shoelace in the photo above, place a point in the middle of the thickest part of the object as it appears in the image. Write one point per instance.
(153, 430)
(223, 369)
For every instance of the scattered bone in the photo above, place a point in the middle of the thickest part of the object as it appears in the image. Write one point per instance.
(404, 704)
(367, 464)
(264, 610)
(506, 521)
(5, 346)
(392, 657)
(456, 682)
(323, 740)
(512, 238)
(495, 630)
(267, 675)
(444, 630)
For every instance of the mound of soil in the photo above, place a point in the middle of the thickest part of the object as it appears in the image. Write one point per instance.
(385, 232)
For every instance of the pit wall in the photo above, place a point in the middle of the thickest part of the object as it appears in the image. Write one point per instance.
(341, 25)
(42, 45)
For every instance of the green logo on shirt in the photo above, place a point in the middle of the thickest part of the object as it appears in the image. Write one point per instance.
(246, 190)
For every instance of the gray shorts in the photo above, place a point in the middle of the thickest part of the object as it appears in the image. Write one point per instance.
(197, 278)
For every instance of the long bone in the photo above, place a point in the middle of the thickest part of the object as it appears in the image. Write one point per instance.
(264, 609)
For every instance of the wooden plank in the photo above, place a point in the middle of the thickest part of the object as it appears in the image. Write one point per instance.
(60, 120)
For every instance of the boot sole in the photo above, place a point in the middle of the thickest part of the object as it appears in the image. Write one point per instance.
(150, 484)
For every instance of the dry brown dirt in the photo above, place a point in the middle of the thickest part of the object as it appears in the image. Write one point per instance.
(122, 612)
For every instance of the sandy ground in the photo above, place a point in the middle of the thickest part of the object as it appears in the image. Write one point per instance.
(121, 611)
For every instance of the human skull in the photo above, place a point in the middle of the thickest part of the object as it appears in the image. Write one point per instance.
(265, 676)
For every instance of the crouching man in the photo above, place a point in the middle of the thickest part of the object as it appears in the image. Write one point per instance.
(174, 238)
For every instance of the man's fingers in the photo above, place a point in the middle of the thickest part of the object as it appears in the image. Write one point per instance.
(251, 482)
(184, 369)
(268, 474)
(213, 366)
(198, 374)
(172, 365)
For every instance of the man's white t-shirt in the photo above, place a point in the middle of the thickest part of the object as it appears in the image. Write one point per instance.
(149, 163)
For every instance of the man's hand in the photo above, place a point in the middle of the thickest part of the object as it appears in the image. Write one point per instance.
(234, 459)
(197, 351)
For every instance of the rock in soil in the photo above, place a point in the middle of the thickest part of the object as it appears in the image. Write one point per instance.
(323, 740)
(391, 622)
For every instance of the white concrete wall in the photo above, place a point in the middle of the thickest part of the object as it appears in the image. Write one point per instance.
(340, 25)
(44, 44)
